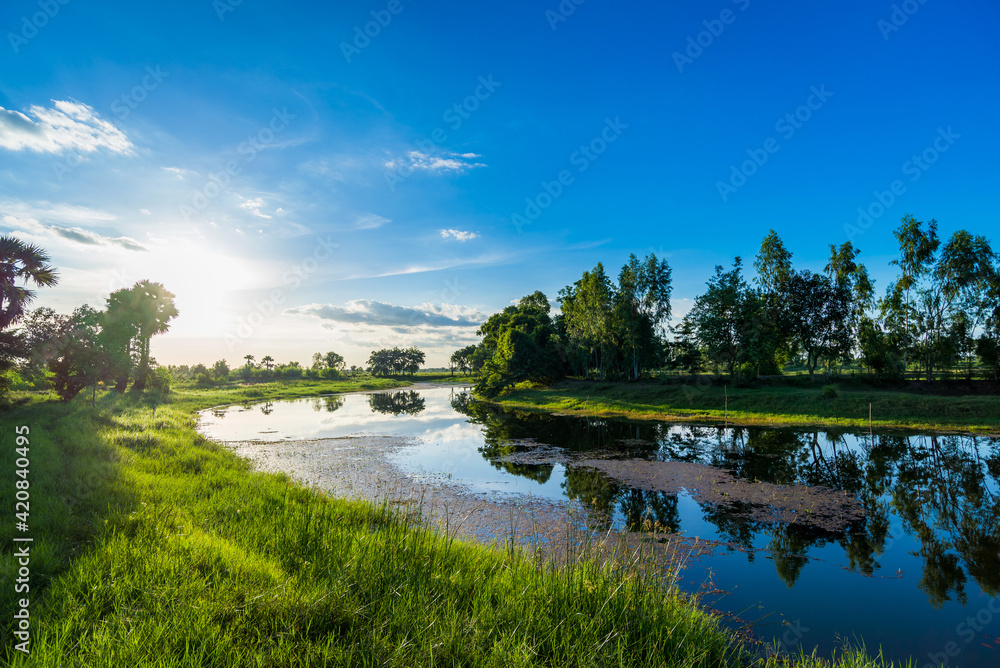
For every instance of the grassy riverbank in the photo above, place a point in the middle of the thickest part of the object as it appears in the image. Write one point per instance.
(783, 404)
(155, 547)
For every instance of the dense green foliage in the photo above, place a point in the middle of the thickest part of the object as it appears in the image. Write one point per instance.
(943, 310)
(395, 361)
(21, 264)
(520, 343)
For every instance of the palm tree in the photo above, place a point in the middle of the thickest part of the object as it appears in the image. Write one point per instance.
(268, 362)
(249, 359)
(144, 310)
(21, 262)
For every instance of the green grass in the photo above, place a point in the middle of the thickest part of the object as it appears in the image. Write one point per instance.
(187, 396)
(782, 404)
(155, 547)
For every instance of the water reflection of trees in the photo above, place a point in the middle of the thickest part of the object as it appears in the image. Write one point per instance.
(941, 488)
(407, 402)
(328, 404)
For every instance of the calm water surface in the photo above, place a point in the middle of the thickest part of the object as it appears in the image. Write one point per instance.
(918, 576)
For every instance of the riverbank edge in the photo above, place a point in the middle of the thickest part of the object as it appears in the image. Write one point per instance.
(583, 399)
(158, 427)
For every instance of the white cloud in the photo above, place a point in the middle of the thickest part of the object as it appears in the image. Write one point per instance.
(459, 235)
(253, 206)
(179, 172)
(365, 311)
(63, 220)
(370, 221)
(65, 126)
(435, 164)
(55, 212)
(77, 234)
(94, 239)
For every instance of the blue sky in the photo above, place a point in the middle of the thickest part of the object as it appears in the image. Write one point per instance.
(302, 186)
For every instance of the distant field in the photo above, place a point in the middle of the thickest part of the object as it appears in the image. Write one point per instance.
(794, 403)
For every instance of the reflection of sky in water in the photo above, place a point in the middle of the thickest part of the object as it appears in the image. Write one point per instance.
(446, 445)
(889, 607)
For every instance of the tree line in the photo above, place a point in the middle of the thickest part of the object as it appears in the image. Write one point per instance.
(90, 347)
(941, 310)
(82, 348)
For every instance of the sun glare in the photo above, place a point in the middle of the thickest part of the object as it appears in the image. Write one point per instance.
(204, 281)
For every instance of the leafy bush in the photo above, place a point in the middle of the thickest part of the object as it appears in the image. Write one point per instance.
(160, 380)
(204, 380)
(830, 392)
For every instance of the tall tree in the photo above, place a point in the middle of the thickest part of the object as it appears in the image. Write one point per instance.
(641, 309)
(818, 317)
(716, 316)
(773, 263)
(519, 343)
(774, 269)
(958, 301)
(413, 357)
(917, 244)
(334, 361)
(587, 307)
(142, 311)
(463, 358)
(21, 264)
(852, 277)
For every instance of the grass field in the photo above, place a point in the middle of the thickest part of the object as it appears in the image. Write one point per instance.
(155, 547)
(782, 404)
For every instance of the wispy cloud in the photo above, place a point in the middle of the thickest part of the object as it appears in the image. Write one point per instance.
(77, 234)
(370, 221)
(94, 239)
(587, 245)
(179, 172)
(64, 126)
(365, 311)
(253, 206)
(484, 260)
(55, 212)
(459, 235)
(63, 220)
(435, 164)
